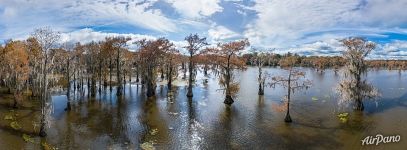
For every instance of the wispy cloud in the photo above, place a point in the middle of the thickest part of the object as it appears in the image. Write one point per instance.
(309, 27)
(219, 33)
(88, 35)
(196, 8)
(283, 23)
(21, 16)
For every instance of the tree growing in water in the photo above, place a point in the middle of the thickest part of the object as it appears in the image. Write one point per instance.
(320, 64)
(260, 59)
(293, 82)
(108, 51)
(91, 53)
(227, 60)
(353, 87)
(129, 59)
(171, 62)
(67, 58)
(119, 44)
(47, 40)
(195, 43)
(35, 61)
(151, 54)
(16, 62)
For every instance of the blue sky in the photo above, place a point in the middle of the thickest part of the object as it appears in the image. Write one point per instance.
(308, 27)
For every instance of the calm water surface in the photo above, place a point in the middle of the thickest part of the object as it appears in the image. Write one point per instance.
(172, 121)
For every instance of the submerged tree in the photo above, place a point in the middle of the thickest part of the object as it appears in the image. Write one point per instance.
(47, 40)
(354, 88)
(92, 50)
(171, 64)
(129, 59)
(35, 61)
(293, 82)
(67, 59)
(151, 54)
(260, 59)
(119, 44)
(79, 69)
(108, 51)
(320, 63)
(195, 43)
(101, 66)
(226, 57)
(16, 63)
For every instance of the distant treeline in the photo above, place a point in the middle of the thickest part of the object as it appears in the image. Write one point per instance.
(322, 62)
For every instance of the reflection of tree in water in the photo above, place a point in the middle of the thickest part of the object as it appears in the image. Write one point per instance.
(121, 123)
(354, 88)
(152, 121)
(260, 109)
(46, 111)
(96, 119)
(69, 139)
(193, 125)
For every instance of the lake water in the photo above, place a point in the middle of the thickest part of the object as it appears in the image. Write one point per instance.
(204, 122)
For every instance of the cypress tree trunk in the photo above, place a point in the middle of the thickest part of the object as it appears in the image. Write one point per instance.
(68, 91)
(130, 74)
(93, 86)
(137, 76)
(43, 98)
(162, 74)
(110, 73)
(119, 79)
(100, 76)
(359, 101)
(261, 83)
(228, 99)
(74, 81)
(150, 84)
(287, 116)
(190, 94)
(169, 76)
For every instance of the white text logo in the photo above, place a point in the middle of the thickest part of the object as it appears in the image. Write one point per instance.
(369, 140)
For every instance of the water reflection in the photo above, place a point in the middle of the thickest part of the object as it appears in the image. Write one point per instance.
(172, 121)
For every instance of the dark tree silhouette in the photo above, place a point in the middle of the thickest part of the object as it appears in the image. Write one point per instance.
(194, 47)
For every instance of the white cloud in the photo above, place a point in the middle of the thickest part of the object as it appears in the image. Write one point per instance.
(218, 32)
(383, 12)
(135, 13)
(20, 17)
(283, 23)
(241, 12)
(87, 35)
(304, 26)
(333, 47)
(196, 8)
(394, 50)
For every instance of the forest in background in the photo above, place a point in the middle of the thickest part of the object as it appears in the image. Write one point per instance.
(322, 62)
